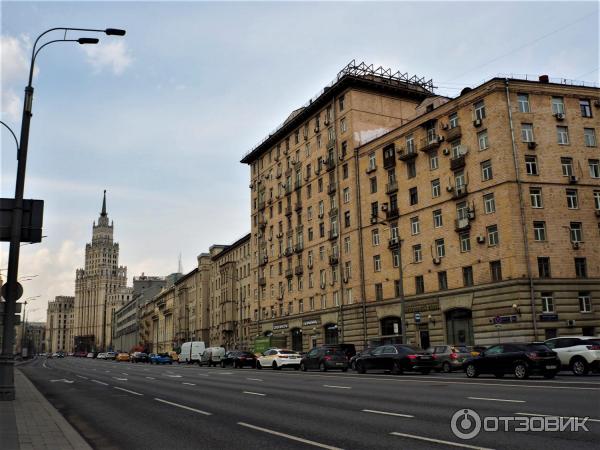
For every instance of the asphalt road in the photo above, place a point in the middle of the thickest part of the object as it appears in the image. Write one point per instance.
(119, 405)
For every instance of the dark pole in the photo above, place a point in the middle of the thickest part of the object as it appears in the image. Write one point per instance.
(7, 385)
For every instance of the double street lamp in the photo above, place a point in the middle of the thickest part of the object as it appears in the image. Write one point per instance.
(7, 389)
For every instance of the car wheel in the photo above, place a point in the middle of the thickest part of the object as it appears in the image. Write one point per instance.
(360, 367)
(446, 367)
(499, 374)
(521, 371)
(303, 367)
(275, 366)
(549, 375)
(579, 366)
(353, 365)
(396, 368)
(472, 371)
(322, 367)
(222, 364)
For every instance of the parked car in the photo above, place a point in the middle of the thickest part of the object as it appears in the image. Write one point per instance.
(80, 354)
(348, 349)
(580, 354)
(477, 349)
(212, 356)
(325, 358)
(111, 355)
(122, 356)
(101, 355)
(520, 359)
(191, 352)
(174, 356)
(139, 357)
(90, 355)
(277, 358)
(160, 358)
(449, 357)
(238, 359)
(396, 358)
(352, 362)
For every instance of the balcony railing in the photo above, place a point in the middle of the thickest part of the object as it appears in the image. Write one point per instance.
(333, 260)
(459, 192)
(394, 243)
(298, 270)
(262, 281)
(462, 224)
(392, 213)
(392, 187)
(331, 188)
(330, 164)
(453, 133)
(407, 154)
(298, 206)
(261, 205)
(457, 162)
(288, 210)
(289, 273)
(431, 142)
(333, 234)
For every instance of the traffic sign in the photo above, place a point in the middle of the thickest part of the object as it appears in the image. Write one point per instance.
(17, 307)
(498, 319)
(4, 289)
(417, 317)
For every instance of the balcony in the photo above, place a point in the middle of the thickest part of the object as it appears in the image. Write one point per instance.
(331, 189)
(333, 234)
(262, 261)
(333, 212)
(394, 243)
(288, 251)
(457, 162)
(407, 155)
(388, 163)
(392, 213)
(298, 206)
(289, 273)
(333, 260)
(297, 185)
(371, 169)
(262, 281)
(431, 142)
(391, 188)
(330, 164)
(459, 192)
(462, 224)
(262, 223)
(299, 248)
(298, 270)
(453, 133)
(331, 143)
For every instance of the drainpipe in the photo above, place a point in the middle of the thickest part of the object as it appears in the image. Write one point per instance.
(521, 211)
(363, 291)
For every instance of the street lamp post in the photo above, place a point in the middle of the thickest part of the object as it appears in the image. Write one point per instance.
(7, 388)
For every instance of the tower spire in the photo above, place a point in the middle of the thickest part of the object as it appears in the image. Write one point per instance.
(103, 213)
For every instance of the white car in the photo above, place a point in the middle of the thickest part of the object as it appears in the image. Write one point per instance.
(277, 358)
(578, 353)
(101, 356)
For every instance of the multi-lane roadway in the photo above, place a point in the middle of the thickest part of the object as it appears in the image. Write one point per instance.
(120, 405)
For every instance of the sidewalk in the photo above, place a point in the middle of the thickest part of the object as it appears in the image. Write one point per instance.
(32, 423)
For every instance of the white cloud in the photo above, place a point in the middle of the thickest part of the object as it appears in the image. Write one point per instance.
(112, 55)
(14, 54)
(11, 106)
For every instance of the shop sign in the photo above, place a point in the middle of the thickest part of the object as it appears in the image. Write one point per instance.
(548, 317)
(280, 326)
(504, 319)
(311, 322)
(422, 307)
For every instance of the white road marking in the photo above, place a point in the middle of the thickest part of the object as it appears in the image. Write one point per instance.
(385, 413)
(174, 376)
(439, 441)
(62, 380)
(120, 379)
(254, 379)
(123, 373)
(44, 365)
(151, 378)
(189, 384)
(81, 376)
(107, 371)
(496, 399)
(254, 393)
(226, 373)
(127, 390)
(183, 406)
(336, 387)
(289, 436)
(550, 415)
(100, 382)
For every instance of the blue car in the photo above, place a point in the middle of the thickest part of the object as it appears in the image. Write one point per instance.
(160, 358)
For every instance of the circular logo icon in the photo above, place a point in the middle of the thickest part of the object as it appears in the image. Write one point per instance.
(465, 424)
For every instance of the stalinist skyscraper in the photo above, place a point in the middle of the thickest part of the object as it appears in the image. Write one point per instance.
(100, 289)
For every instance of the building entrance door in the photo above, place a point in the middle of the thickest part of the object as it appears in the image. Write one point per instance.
(459, 327)
(297, 339)
(424, 339)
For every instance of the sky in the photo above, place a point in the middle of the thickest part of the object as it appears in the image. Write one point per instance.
(161, 117)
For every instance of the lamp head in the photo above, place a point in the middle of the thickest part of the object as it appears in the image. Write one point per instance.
(84, 41)
(114, 32)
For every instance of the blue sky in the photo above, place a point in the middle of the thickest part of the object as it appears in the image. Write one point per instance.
(161, 117)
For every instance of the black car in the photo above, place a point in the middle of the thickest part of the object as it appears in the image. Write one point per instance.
(395, 358)
(239, 359)
(324, 358)
(519, 359)
(348, 349)
(137, 357)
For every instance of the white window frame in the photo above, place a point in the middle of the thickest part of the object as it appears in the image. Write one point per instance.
(539, 232)
(523, 103)
(436, 189)
(375, 237)
(562, 135)
(589, 137)
(417, 253)
(536, 197)
(493, 235)
(585, 303)
(483, 140)
(377, 263)
(527, 132)
(440, 248)
(572, 198)
(438, 220)
(434, 161)
(465, 241)
(547, 303)
(558, 105)
(594, 166)
(486, 170)
(415, 227)
(489, 203)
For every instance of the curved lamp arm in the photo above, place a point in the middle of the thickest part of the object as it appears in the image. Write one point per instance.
(13, 134)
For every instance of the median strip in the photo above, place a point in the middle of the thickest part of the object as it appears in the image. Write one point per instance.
(254, 393)
(438, 441)
(385, 413)
(288, 436)
(127, 390)
(496, 399)
(183, 407)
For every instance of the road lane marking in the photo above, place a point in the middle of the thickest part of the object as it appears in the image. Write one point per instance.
(120, 379)
(336, 387)
(385, 413)
(44, 365)
(174, 376)
(81, 376)
(550, 415)
(189, 384)
(254, 379)
(496, 399)
(62, 380)
(254, 393)
(127, 390)
(226, 373)
(183, 407)
(438, 441)
(289, 436)
(100, 382)
(123, 373)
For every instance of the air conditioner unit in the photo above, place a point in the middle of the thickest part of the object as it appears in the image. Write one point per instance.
(445, 126)
(575, 245)
(572, 179)
(531, 145)
(437, 261)
(373, 220)
(449, 188)
(471, 214)
(326, 122)
(384, 207)
(323, 160)
(323, 285)
(477, 123)
(446, 151)
(251, 185)
(480, 239)
(559, 116)
(316, 129)
(571, 323)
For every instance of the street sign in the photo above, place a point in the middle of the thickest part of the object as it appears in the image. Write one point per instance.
(498, 319)
(17, 307)
(33, 216)
(4, 289)
(417, 317)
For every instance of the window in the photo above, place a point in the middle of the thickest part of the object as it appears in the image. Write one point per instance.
(479, 108)
(493, 237)
(482, 138)
(377, 263)
(544, 267)
(372, 161)
(567, 166)
(527, 132)
(535, 195)
(531, 167)
(346, 195)
(347, 219)
(419, 284)
(442, 280)
(465, 241)
(433, 160)
(395, 258)
(347, 244)
(572, 200)
(576, 232)
(486, 170)
(496, 270)
(413, 196)
(341, 102)
(453, 120)
(410, 143)
(585, 302)
(375, 237)
(378, 291)
(489, 203)
(523, 102)
(558, 105)
(539, 231)
(586, 109)
(562, 135)
(547, 303)
(345, 171)
(467, 273)
(348, 269)
(597, 200)
(580, 268)
(589, 137)
(411, 169)
(440, 248)
(435, 188)
(414, 225)
(594, 165)
(344, 125)
(417, 253)
(437, 218)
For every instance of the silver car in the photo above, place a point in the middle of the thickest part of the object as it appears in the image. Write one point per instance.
(449, 357)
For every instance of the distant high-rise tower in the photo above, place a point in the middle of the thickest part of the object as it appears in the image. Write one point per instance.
(100, 288)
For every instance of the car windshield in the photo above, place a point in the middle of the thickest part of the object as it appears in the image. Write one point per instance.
(336, 352)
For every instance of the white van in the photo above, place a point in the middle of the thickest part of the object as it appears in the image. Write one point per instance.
(212, 356)
(191, 352)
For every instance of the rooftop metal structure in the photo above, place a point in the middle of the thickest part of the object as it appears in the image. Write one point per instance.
(529, 77)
